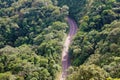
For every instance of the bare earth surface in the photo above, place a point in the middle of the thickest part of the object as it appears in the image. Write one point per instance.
(65, 56)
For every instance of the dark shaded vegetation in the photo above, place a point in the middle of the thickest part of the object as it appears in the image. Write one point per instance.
(97, 43)
(32, 33)
(31, 39)
(75, 7)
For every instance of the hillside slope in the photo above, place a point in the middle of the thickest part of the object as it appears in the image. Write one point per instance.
(95, 52)
(31, 38)
(32, 34)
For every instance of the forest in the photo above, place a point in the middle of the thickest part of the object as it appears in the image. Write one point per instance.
(32, 34)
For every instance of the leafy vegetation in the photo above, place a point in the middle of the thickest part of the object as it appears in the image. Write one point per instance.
(31, 39)
(97, 43)
(75, 7)
(22, 63)
(32, 33)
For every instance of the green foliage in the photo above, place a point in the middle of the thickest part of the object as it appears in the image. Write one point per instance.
(75, 7)
(97, 41)
(21, 21)
(88, 72)
(31, 38)
(32, 33)
(23, 63)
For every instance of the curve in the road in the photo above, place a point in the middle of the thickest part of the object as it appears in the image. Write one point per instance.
(65, 56)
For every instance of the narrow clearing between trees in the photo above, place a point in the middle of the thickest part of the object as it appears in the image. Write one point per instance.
(65, 56)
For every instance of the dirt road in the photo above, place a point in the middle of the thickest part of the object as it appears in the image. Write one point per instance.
(65, 56)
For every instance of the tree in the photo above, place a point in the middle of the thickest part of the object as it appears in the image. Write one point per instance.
(88, 72)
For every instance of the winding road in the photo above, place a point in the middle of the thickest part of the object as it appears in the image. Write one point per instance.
(65, 56)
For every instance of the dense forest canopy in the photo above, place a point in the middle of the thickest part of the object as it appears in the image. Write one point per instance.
(32, 33)
(31, 38)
